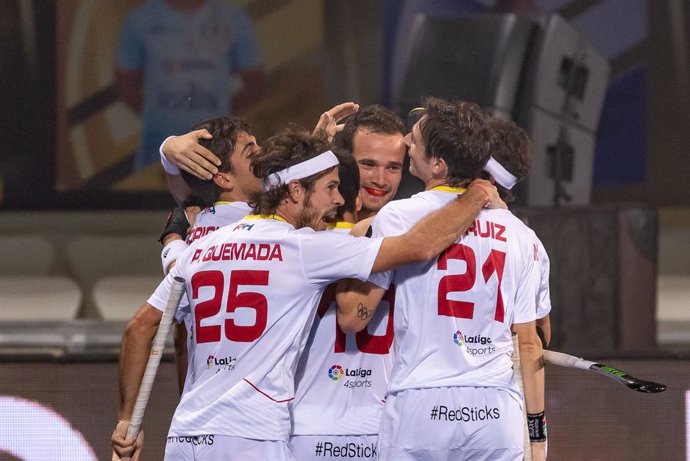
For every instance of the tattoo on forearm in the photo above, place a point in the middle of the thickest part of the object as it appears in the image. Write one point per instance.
(362, 312)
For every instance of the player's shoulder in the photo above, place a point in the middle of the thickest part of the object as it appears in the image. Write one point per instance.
(405, 206)
(513, 224)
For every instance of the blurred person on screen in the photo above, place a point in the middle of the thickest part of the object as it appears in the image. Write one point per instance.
(175, 64)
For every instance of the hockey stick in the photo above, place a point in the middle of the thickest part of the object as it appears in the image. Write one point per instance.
(570, 361)
(157, 347)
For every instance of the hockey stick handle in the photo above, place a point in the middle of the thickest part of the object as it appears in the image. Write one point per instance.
(566, 360)
(157, 347)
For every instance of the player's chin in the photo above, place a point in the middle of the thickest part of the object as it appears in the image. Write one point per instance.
(376, 203)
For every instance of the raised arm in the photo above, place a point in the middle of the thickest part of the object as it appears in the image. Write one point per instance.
(436, 231)
(329, 123)
(134, 355)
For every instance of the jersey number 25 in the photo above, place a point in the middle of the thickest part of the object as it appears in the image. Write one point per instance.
(246, 300)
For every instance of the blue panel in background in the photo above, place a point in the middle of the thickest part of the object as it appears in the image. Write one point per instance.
(619, 157)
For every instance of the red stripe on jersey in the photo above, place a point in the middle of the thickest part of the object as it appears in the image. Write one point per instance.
(265, 394)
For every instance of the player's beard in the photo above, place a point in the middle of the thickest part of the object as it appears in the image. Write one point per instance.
(308, 217)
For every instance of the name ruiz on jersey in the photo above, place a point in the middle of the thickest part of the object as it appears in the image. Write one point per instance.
(242, 251)
(487, 229)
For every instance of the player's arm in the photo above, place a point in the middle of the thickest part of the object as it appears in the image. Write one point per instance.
(356, 301)
(134, 355)
(544, 330)
(532, 367)
(185, 153)
(436, 231)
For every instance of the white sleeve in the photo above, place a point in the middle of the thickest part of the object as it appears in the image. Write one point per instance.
(331, 256)
(544, 295)
(528, 290)
(160, 297)
(171, 252)
(387, 223)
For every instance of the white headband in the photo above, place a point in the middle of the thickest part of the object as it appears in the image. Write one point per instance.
(302, 170)
(502, 176)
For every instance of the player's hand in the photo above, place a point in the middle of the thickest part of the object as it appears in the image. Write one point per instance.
(329, 123)
(187, 154)
(493, 199)
(124, 448)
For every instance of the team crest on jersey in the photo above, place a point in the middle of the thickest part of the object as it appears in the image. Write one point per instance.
(335, 372)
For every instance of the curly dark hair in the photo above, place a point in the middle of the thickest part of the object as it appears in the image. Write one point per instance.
(225, 131)
(458, 133)
(374, 117)
(277, 153)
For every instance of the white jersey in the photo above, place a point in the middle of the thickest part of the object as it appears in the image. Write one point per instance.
(216, 216)
(253, 288)
(453, 314)
(341, 378)
(220, 214)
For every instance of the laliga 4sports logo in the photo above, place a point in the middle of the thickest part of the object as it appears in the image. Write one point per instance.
(226, 362)
(475, 345)
(336, 372)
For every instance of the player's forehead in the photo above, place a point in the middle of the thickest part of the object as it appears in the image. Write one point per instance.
(244, 138)
(378, 148)
(330, 178)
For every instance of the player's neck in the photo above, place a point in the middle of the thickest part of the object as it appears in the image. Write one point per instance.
(435, 182)
(233, 196)
(289, 212)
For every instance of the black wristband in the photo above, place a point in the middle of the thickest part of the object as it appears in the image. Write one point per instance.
(177, 224)
(536, 426)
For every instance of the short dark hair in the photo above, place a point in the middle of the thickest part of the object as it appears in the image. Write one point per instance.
(348, 170)
(225, 131)
(456, 132)
(510, 148)
(374, 117)
(277, 153)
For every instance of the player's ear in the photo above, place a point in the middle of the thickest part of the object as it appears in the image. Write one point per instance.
(224, 180)
(295, 191)
(439, 167)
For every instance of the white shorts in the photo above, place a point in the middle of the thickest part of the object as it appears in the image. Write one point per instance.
(452, 423)
(333, 447)
(225, 448)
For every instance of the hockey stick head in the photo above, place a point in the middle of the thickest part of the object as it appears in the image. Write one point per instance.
(639, 385)
(648, 387)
